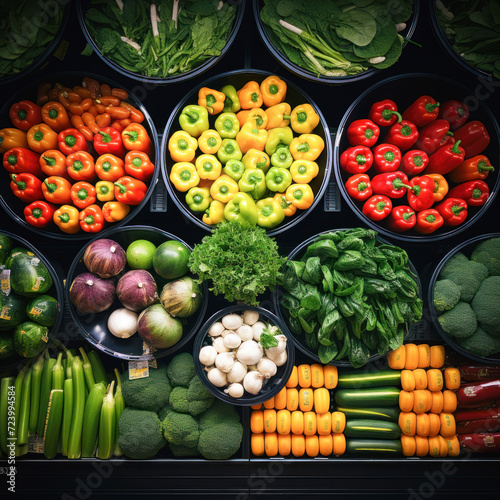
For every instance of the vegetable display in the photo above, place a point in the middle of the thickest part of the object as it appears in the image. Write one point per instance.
(347, 295)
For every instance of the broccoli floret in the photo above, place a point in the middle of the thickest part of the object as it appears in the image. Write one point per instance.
(218, 413)
(199, 397)
(221, 441)
(164, 412)
(181, 369)
(178, 450)
(460, 321)
(149, 393)
(486, 305)
(140, 433)
(446, 295)
(178, 400)
(182, 429)
(481, 343)
(487, 252)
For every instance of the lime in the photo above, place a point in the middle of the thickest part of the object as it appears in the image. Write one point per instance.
(171, 260)
(140, 254)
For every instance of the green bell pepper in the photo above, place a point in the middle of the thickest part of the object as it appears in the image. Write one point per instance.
(234, 168)
(194, 119)
(282, 157)
(198, 198)
(227, 125)
(269, 213)
(253, 181)
(241, 208)
(278, 136)
(278, 179)
(232, 101)
(229, 150)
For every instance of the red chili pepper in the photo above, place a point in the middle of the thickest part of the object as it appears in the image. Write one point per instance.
(71, 141)
(377, 207)
(414, 162)
(475, 193)
(26, 187)
(91, 219)
(384, 113)
(473, 373)
(109, 140)
(391, 184)
(39, 213)
(454, 212)
(474, 137)
(428, 221)
(445, 159)
(421, 193)
(386, 158)
(433, 136)
(19, 160)
(403, 134)
(357, 159)
(129, 190)
(454, 112)
(359, 187)
(466, 415)
(424, 110)
(25, 114)
(402, 218)
(363, 133)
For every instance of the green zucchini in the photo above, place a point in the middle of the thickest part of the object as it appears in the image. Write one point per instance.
(389, 413)
(367, 428)
(388, 447)
(366, 398)
(351, 379)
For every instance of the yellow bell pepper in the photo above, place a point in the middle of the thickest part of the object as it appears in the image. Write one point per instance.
(250, 95)
(105, 191)
(211, 99)
(209, 141)
(304, 119)
(208, 167)
(301, 195)
(288, 207)
(278, 115)
(113, 211)
(215, 213)
(273, 90)
(250, 137)
(257, 116)
(256, 159)
(307, 147)
(182, 146)
(304, 171)
(184, 176)
(224, 188)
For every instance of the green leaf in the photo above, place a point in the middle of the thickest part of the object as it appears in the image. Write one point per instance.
(357, 26)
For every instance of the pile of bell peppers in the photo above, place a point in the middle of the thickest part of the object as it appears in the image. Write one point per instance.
(245, 154)
(78, 157)
(420, 169)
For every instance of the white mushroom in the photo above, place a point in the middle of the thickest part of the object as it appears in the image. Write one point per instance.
(224, 361)
(253, 382)
(232, 340)
(207, 355)
(250, 317)
(280, 359)
(257, 330)
(226, 332)
(245, 332)
(250, 352)
(217, 377)
(235, 390)
(273, 352)
(267, 367)
(232, 321)
(218, 343)
(216, 329)
(237, 373)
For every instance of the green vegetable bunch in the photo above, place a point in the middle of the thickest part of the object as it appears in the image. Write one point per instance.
(239, 262)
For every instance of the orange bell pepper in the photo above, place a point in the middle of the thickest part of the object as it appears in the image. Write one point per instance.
(475, 168)
(114, 211)
(138, 165)
(41, 137)
(250, 95)
(256, 116)
(53, 162)
(129, 190)
(301, 195)
(54, 114)
(135, 137)
(273, 90)
(440, 186)
(12, 138)
(250, 137)
(91, 219)
(57, 190)
(211, 99)
(83, 194)
(81, 166)
(288, 207)
(66, 218)
(109, 167)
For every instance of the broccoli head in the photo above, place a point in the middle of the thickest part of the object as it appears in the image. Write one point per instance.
(446, 295)
(218, 413)
(140, 434)
(181, 369)
(178, 400)
(460, 321)
(181, 429)
(149, 393)
(164, 412)
(179, 450)
(487, 252)
(486, 305)
(199, 397)
(481, 343)
(221, 441)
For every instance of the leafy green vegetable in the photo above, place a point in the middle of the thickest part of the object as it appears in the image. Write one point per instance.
(268, 339)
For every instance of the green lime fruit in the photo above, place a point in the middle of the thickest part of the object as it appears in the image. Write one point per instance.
(171, 260)
(140, 254)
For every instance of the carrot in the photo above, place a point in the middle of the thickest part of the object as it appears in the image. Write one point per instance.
(73, 96)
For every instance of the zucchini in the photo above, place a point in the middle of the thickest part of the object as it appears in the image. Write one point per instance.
(366, 398)
(388, 447)
(351, 379)
(367, 428)
(388, 414)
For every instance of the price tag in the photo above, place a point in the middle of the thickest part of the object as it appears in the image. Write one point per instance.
(5, 281)
(138, 369)
(5, 313)
(37, 284)
(35, 444)
(61, 50)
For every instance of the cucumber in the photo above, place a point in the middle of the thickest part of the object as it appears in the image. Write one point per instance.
(390, 414)
(388, 447)
(367, 428)
(350, 379)
(366, 398)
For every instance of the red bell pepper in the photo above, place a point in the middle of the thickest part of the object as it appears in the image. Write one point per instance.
(26, 187)
(71, 141)
(357, 159)
(129, 190)
(421, 193)
(391, 184)
(474, 137)
(433, 136)
(422, 111)
(25, 114)
(19, 160)
(363, 133)
(428, 221)
(109, 140)
(401, 219)
(474, 168)
(414, 162)
(445, 159)
(39, 213)
(453, 210)
(136, 138)
(83, 194)
(475, 193)
(454, 112)
(359, 187)
(386, 158)
(403, 134)
(377, 207)
(138, 165)
(384, 113)
(91, 219)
